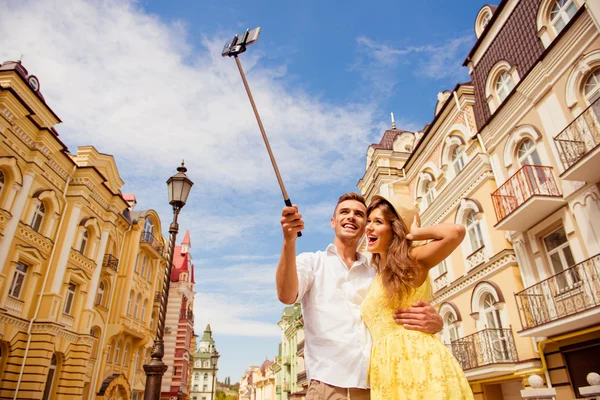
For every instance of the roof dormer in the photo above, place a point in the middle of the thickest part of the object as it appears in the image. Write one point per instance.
(483, 18)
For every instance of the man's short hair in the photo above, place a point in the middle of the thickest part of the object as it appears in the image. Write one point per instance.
(350, 196)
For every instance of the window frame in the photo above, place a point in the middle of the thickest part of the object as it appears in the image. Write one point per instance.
(562, 14)
(19, 277)
(83, 243)
(503, 87)
(474, 226)
(69, 298)
(37, 219)
(100, 294)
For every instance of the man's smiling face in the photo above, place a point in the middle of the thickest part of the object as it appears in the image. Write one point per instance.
(349, 220)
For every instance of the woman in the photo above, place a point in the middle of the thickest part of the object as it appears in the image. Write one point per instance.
(407, 364)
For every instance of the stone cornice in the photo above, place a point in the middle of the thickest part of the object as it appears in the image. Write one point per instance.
(503, 259)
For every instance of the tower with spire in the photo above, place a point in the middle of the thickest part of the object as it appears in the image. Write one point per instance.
(179, 324)
(205, 368)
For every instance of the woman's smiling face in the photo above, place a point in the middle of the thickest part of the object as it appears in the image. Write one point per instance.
(379, 232)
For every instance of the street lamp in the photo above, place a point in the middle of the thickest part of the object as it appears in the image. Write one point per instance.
(214, 358)
(179, 188)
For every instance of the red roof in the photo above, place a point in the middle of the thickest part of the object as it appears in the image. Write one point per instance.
(387, 141)
(129, 197)
(186, 238)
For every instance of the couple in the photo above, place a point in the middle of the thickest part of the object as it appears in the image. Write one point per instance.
(339, 289)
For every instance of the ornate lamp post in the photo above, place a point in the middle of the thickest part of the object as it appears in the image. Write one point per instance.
(179, 188)
(214, 358)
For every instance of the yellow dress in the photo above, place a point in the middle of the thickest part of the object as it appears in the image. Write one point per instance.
(408, 364)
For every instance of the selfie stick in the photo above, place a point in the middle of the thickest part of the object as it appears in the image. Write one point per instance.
(232, 49)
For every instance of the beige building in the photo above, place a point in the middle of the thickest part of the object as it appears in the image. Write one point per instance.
(513, 156)
(79, 266)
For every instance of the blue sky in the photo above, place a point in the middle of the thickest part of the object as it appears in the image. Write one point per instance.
(145, 81)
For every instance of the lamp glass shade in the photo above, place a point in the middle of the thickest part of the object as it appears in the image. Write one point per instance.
(215, 358)
(179, 186)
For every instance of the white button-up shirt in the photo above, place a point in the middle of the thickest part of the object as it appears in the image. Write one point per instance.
(337, 343)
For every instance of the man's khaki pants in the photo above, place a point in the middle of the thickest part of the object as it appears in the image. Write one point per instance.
(322, 391)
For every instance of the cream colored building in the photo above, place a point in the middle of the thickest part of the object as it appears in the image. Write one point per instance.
(79, 266)
(514, 156)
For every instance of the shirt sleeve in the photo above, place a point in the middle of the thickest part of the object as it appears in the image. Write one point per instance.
(305, 267)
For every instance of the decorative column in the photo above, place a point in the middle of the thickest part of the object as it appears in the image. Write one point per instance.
(13, 223)
(96, 277)
(63, 259)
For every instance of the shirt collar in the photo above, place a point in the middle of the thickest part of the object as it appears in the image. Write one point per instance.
(361, 259)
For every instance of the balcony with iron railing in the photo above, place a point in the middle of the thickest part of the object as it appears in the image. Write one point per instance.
(564, 302)
(527, 197)
(149, 239)
(302, 380)
(110, 262)
(484, 348)
(579, 146)
(300, 348)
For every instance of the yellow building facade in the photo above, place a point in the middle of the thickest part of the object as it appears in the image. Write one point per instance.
(79, 266)
(514, 156)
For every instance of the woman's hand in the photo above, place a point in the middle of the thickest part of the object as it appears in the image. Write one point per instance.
(416, 232)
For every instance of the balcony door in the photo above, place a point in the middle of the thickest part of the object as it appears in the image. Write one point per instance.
(496, 348)
(561, 259)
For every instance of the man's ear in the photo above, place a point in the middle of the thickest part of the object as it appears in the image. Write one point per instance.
(333, 222)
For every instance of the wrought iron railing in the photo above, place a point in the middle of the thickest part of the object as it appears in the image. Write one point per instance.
(148, 237)
(569, 292)
(580, 137)
(529, 181)
(489, 346)
(111, 262)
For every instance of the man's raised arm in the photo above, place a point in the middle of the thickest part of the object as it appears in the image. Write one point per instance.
(287, 275)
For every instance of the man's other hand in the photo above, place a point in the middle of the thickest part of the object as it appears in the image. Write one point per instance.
(420, 317)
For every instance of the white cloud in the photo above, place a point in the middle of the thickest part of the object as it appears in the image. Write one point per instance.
(137, 88)
(380, 63)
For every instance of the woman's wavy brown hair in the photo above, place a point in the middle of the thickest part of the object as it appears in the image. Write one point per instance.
(400, 270)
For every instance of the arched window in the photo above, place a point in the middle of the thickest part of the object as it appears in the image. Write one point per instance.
(100, 294)
(152, 318)
(527, 153)
(504, 85)
(129, 301)
(84, 242)
(474, 231)
(561, 14)
(38, 217)
(126, 355)
(429, 192)
(117, 352)
(148, 228)
(485, 20)
(1, 181)
(490, 312)
(50, 378)
(136, 306)
(591, 88)
(205, 376)
(458, 159)
(144, 306)
(449, 330)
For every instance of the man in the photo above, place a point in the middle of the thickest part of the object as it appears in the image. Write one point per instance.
(331, 285)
